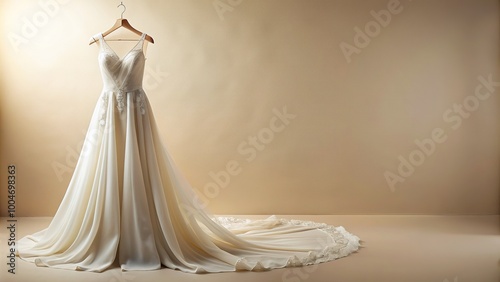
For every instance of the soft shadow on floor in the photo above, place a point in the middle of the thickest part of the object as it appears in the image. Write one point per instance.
(395, 249)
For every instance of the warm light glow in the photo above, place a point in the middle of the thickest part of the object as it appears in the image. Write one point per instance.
(214, 78)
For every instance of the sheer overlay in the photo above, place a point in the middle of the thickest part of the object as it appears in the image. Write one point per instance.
(128, 202)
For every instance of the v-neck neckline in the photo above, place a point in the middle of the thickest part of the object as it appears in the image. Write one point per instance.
(126, 54)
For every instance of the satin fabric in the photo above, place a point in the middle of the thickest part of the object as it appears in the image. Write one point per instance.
(128, 203)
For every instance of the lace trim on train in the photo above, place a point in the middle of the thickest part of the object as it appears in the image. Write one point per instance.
(345, 242)
(121, 101)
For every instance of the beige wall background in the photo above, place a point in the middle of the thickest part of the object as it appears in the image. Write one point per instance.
(219, 71)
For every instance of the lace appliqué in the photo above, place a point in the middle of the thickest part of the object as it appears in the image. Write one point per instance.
(139, 101)
(104, 109)
(120, 97)
(120, 104)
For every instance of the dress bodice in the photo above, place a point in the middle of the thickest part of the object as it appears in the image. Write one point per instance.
(124, 74)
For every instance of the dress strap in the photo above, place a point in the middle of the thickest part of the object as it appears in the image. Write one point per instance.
(140, 43)
(143, 36)
(96, 37)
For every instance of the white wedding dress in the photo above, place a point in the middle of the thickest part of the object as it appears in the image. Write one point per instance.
(128, 203)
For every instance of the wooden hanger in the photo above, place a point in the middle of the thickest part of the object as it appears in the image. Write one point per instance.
(121, 22)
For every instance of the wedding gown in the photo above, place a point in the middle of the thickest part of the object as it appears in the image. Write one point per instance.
(127, 201)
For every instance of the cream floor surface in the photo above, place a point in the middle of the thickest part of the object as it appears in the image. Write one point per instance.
(395, 249)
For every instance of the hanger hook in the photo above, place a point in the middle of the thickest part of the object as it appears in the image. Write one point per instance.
(124, 8)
